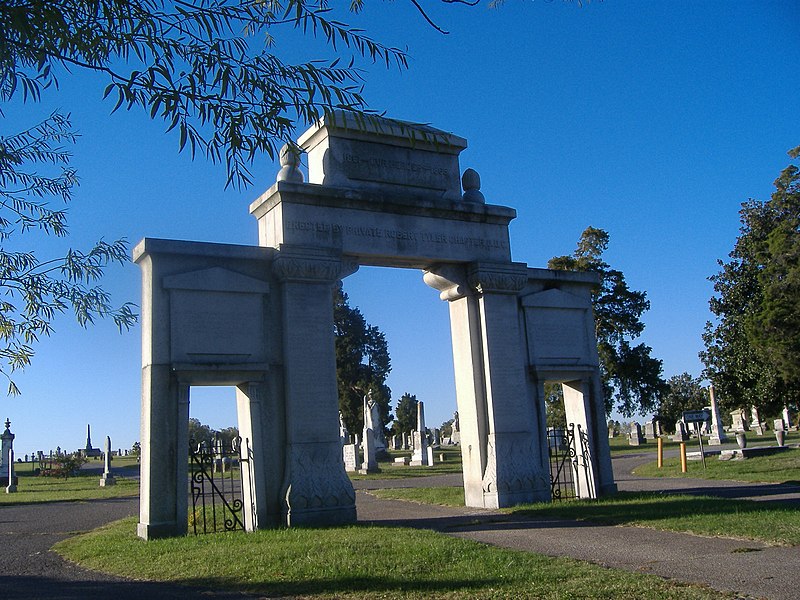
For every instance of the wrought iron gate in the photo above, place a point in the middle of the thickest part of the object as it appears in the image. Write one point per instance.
(217, 483)
(569, 454)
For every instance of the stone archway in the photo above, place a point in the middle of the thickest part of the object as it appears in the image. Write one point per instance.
(385, 194)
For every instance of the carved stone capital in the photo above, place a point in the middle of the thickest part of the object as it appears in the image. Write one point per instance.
(448, 280)
(498, 278)
(306, 264)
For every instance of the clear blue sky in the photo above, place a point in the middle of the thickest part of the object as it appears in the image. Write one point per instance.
(651, 120)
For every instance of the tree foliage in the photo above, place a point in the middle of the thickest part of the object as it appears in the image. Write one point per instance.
(631, 377)
(752, 350)
(683, 392)
(405, 414)
(34, 168)
(362, 363)
(207, 68)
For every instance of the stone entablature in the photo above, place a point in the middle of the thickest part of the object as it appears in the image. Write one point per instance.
(382, 229)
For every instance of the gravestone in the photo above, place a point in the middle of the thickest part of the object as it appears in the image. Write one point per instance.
(612, 430)
(717, 431)
(437, 438)
(6, 445)
(350, 457)
(10, 477)
(368, 443)
(635, 438)
(739, 420)
(344, 435)
(455, 436)
(420, 456)
(755, 423)
(788, 419)
(681, 435)
(107, 479)
(778, 425)
(650, 430)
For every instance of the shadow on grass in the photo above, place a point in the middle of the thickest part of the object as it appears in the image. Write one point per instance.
(44, 588)
(643, 507)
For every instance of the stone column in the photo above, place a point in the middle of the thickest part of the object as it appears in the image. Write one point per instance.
(577, 406)
(717, 432)
(261, 455)
(514, 469)
(316, 489)
(450, 281)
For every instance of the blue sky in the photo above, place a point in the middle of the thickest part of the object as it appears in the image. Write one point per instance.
(651, 120)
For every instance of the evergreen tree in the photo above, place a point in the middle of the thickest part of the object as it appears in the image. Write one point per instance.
(752, 352)
(631, 377)
(362, 363)
(405, 419)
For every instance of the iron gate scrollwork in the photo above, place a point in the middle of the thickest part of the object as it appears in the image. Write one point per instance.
(569, 454)
(218, 480)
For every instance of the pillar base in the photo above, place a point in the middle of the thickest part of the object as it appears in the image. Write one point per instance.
(320, 517)
(154, 531)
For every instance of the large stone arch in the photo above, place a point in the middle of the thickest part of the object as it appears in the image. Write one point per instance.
(260, 318)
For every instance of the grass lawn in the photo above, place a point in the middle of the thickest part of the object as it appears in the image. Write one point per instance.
(769, 522)
(359, 562)
(781, 467)
(451, 464)
(33, 489)
(620, 445)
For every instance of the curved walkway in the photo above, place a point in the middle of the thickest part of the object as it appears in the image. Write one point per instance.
(749, 569)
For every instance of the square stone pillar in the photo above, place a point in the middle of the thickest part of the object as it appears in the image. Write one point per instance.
(514, 472)
(261, 455)
(468, 368)
(163, 487)
(316, 489)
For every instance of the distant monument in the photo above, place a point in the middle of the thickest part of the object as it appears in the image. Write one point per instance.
(717, 432)
(88, 451)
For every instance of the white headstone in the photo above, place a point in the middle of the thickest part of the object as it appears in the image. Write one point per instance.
(420, 456)
(107, 479)
(350, 457)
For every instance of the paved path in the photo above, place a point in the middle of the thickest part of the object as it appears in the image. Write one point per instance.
(749, 569)
(31, 571)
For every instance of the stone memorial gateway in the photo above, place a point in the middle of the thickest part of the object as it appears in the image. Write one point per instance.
(261, 319)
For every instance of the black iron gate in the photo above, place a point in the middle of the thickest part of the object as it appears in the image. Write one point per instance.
(569, 454)
(217, 482)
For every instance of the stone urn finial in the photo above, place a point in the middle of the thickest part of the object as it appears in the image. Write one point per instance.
(290, 165)
(471, 182)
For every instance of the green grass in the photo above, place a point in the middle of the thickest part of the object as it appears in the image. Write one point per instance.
(620, 445)
(359, 562)
(781, 467)
(768, 522)
(33, 489)
(451, 464)
(443, 496)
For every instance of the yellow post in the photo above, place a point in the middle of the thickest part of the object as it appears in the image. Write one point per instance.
(660, 443)
(683, 457)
